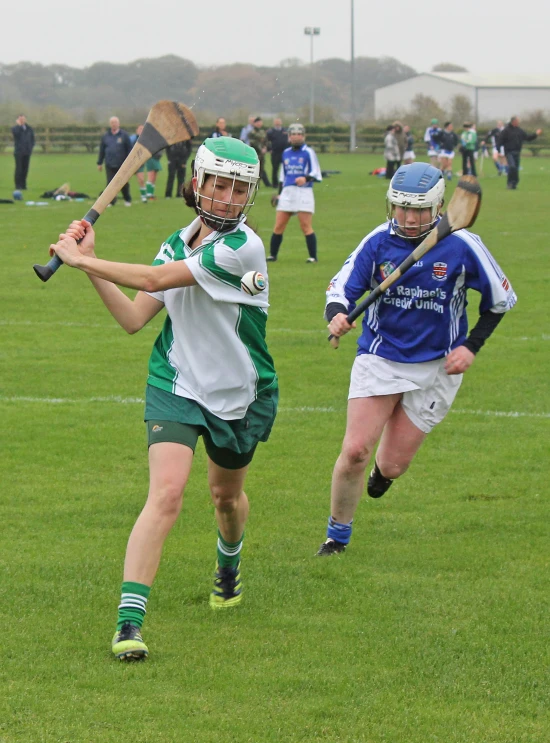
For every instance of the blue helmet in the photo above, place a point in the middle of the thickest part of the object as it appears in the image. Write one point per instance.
(416, 186)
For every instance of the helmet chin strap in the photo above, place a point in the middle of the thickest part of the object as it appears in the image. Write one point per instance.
(220, 224)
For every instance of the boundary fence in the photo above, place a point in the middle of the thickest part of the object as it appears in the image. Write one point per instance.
(325, 139)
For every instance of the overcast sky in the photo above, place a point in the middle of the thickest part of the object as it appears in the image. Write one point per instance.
(479, 35)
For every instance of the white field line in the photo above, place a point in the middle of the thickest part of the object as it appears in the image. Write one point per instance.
(303, 409)
(297, 331)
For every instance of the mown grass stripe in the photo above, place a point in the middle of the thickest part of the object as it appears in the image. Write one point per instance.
(301, 409)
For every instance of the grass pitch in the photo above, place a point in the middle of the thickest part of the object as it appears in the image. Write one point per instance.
(434, 624)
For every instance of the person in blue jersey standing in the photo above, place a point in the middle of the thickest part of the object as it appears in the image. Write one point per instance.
(431, 137)
(300, 170)
(210, 371)
(414, 345)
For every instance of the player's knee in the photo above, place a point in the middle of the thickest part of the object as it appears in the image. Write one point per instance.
(166, 500)
(355, 455)
(224, 497)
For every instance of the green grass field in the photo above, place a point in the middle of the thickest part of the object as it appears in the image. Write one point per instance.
(433, 627)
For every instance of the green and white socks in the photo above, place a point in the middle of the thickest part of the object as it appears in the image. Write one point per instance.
(133, 600)
(229, 554)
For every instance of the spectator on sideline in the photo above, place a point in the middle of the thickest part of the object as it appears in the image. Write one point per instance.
(512, 138)
(497, 152)
(177, 155)
(114, 148)
(23, 143)
(414, 345)
(153, 167)
(277, 142)
(431, 138)
(140, 171)
(468, 141)
(257, 139)
(401, 139)
(220, 129)
(409, 156)
(391, 152)
(448, 140)
(245, 131)
(301, 170)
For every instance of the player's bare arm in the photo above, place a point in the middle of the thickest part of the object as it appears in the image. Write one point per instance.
(142, 277)
(131, 314)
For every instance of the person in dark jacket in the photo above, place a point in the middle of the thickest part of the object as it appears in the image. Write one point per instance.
(177, 155)
(511, 138)
(114, 148)
(277, 142)
(447, 140)
(257, 139)
(23, 139)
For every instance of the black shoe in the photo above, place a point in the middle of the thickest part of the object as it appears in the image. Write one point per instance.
(271, 259)
(377, 484)
(330, 547)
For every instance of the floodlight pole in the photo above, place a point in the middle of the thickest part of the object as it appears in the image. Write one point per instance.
(352, 137)
(312, 31)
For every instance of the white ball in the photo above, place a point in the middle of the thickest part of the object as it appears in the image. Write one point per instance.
(253, 282)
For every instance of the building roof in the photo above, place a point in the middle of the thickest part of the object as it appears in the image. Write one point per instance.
(498, 80)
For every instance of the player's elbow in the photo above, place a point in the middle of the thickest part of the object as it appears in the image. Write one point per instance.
(151, 281)
(133, 323)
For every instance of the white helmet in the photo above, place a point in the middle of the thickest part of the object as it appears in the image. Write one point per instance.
(225, 157)
(416, 186)
(297, 129)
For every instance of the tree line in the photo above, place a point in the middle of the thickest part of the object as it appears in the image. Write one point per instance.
(59, 94)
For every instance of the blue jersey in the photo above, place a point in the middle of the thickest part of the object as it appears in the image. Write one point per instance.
(431, 137)
(423, 315)
(301, 161)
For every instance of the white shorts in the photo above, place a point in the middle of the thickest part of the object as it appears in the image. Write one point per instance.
(449, 154)
(427, 390)
(296, 199)
(432, 152)
(409, 155)
(498, 151)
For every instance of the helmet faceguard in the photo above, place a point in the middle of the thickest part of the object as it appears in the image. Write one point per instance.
(234, 161)
(415, 186)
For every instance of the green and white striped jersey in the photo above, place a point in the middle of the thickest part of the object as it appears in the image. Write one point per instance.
(212, 347)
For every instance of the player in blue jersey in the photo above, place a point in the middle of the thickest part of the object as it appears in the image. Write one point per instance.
(431, 137)
(300, 170)
(414, 345)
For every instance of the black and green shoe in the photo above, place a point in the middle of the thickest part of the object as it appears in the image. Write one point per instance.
(228, 588)
(128, 643)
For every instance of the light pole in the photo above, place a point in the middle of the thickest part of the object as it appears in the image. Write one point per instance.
(352, 138)
(312, 31)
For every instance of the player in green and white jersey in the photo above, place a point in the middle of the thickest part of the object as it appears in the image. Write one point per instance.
(210, 372)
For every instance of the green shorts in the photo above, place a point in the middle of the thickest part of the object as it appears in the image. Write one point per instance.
(229, 444)
(141, 170)
(153, 164)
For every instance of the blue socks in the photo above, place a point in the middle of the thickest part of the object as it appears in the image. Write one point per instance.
(339, 532)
